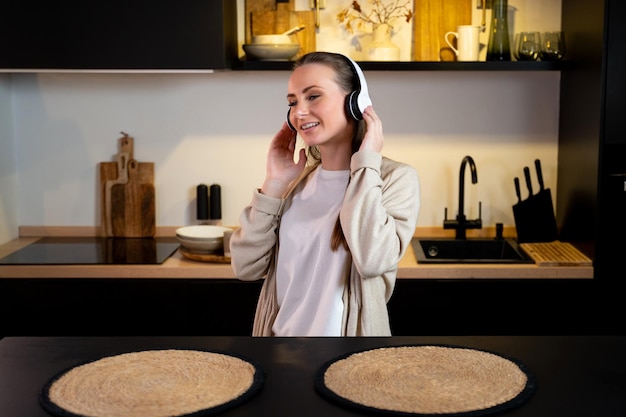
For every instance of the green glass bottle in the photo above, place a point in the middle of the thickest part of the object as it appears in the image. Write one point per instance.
(498, 48)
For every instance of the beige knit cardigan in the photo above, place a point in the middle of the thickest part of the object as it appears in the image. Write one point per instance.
(378, 218)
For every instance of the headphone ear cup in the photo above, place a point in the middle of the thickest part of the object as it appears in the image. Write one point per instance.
(352, 106)
(289, 122)
(359, 98)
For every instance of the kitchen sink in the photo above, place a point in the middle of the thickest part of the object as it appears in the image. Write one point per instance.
(469, 251)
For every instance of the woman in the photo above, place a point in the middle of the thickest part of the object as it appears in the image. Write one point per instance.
(327, 232)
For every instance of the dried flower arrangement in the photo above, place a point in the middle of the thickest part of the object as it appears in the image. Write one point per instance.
(381, 12)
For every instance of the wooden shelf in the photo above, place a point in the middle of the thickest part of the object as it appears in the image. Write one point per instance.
(244, 65)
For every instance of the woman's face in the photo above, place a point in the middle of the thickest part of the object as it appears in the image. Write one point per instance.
(317, 106)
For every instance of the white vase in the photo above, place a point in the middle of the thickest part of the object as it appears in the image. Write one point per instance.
(381, 48)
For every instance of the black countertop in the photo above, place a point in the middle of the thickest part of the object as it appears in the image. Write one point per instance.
(94, 251)
(575, 376)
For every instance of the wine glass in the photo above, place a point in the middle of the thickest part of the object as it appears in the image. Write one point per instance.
(528, 46)
(552, 46)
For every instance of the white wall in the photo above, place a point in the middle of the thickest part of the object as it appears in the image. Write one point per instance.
(8, 167)
(215, 128)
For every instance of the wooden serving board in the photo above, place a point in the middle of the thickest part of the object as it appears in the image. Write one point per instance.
(133, 206)
(112, 173)
(204, 257)
(432, 19)
(555, 254)
(122, 178)
(109, 170)
(252, 6)
(267, 17)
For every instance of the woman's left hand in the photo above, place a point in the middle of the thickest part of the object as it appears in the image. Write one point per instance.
(373, 140)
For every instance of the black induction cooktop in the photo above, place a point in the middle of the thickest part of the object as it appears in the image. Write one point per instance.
(93, 251)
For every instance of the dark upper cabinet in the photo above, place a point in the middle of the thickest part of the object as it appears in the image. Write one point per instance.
(119, 35)
(611, 224)
(592, 146)
(615, 85)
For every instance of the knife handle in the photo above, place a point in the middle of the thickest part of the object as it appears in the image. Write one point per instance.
(518, 190)
(529, 184)
(539, 174)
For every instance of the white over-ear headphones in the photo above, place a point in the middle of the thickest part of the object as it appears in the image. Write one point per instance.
(357, 100)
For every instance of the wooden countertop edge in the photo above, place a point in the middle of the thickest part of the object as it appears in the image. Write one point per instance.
(177, 266)
(170, 231)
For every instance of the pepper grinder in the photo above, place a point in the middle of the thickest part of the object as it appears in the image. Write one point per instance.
(498, 48)
(215, 202)
(202, 204)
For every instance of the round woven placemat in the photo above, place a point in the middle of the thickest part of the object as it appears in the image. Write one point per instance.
(425, 380)
(153, 383)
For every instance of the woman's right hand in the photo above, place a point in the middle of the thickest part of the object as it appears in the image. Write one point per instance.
(281, 168)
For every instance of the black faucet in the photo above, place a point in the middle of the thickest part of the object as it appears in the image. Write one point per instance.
(461, 224)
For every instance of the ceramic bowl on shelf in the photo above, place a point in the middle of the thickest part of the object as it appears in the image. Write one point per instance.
(277, 38)
(271, 52)
(271, 40)
(202, 238)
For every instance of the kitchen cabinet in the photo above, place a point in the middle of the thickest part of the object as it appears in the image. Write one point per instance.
(611, 226)
(138, 35)
(184, 297)
(479, 306)
(225, 307)
(588, 148)
(127, 307)
(118, 35)
(591, 199)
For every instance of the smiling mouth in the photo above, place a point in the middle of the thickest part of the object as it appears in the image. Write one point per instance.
(309, 125)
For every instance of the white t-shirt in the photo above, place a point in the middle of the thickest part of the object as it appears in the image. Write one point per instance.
(310, 277)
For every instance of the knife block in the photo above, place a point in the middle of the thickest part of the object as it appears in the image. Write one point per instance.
(534, 217)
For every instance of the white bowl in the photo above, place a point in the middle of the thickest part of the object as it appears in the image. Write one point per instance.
(202, 238)
(271, 39)
(273, 52)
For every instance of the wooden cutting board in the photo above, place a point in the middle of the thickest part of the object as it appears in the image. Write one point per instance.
(109, 170)
(112, 172)
(115, 173)
(555, 254)
(266, 17)
(432, 19)
(121, 178)
(217, 258)
(252, 6)
(133, 206)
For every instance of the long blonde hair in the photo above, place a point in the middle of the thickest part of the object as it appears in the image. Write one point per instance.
(346, 78)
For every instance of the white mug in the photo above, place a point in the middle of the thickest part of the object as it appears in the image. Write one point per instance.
(467, 41)
(227, 235)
